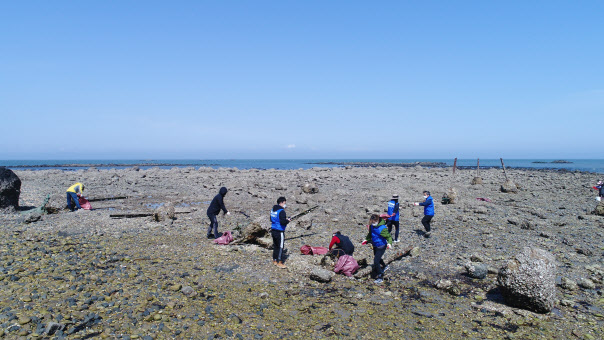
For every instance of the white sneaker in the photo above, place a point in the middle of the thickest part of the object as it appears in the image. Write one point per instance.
(396, 240)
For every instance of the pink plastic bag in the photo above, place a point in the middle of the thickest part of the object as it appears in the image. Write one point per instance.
(84, 203)
(308, 250)
(346, 265)
(226, 238)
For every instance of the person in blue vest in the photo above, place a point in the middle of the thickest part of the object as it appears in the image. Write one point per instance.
(279, 221)
(428, 205)
(380, 239)
(343, 245)
(394, 216)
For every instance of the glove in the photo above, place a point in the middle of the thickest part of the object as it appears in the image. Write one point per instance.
(415, 203)
(228, 213)
(364, 242)
(388, 246)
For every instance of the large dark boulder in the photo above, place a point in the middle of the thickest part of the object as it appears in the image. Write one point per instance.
(10, 188)
(529, 280)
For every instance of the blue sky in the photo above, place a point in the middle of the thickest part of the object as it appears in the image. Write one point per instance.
(301, 79)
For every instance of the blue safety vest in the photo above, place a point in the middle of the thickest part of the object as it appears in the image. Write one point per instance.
(376, 239)
(391, 206)
(275, 223)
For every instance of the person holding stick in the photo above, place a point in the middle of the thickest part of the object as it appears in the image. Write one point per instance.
(428, 205)
(279, 222)
(380, 239)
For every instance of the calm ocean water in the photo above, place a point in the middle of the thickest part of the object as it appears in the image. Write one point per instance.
(590, 165)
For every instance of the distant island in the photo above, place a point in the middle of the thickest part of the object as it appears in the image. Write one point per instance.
(560, 161)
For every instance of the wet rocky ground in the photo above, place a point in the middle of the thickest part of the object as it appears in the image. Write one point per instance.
(86, 275)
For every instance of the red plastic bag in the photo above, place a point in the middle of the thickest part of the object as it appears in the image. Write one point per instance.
(225, 239)
(346, 265)
(308, 250)
(84, 204)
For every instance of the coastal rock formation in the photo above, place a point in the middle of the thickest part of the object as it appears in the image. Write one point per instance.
(476, 180)
(509, 186)
(310, 188)
(599, 209)
(476, 270)
(10, 188)
(528, 280)
(452, 194)
(163, 213)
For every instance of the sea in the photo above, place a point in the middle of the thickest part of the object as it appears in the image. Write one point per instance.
(587, 165)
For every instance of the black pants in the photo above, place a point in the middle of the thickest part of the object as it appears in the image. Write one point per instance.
(278, 243)
(378, 262)
(426, 222)
(213, 225)
(396, 227)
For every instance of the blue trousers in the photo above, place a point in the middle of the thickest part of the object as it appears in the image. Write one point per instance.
(72, 196)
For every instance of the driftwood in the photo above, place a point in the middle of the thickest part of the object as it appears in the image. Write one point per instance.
(254, 233)
(503, 166)
(389, 257)
(136, 215)
(130, 215)
(303, 213)
(107, 198)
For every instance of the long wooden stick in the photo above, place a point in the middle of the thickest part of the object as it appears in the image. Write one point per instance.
(388, 258)
(107, 198)
(503, 166)
(454, 165)
(478, 168)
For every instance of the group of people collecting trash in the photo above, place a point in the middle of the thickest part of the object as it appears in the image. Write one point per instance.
(379, 230)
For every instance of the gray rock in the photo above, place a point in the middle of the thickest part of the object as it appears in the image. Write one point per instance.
(52, 327)
(310, 188)
(476, 180)
(33, 217)
(443, 284)
(568, 284)
(586, 283)
(527, 225)
(187, 290)
(321, 275)
(414, 252)
(477, 270)
(528, 280)
(10, 189)
(509, 187)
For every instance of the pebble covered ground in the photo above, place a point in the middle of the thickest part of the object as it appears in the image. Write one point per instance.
(85, 275)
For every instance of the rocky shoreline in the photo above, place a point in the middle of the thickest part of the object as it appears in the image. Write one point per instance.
(85, 275)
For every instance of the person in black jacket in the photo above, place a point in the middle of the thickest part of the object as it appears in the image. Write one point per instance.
(343, 245)
(214, 209)
(279, 222)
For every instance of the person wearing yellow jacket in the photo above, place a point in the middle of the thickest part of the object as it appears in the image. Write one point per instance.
(73, 194)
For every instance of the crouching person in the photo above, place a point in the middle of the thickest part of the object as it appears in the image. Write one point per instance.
(341, 245)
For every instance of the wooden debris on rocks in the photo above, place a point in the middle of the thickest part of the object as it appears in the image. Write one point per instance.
(477, 179)
(509, 185)
(254, 233)
(389, 257)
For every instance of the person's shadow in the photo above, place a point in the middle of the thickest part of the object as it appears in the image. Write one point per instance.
(419, 232)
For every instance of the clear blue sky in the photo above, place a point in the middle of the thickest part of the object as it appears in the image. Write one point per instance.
(301, 79)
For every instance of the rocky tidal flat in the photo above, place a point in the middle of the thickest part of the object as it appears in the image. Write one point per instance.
(86, 275)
